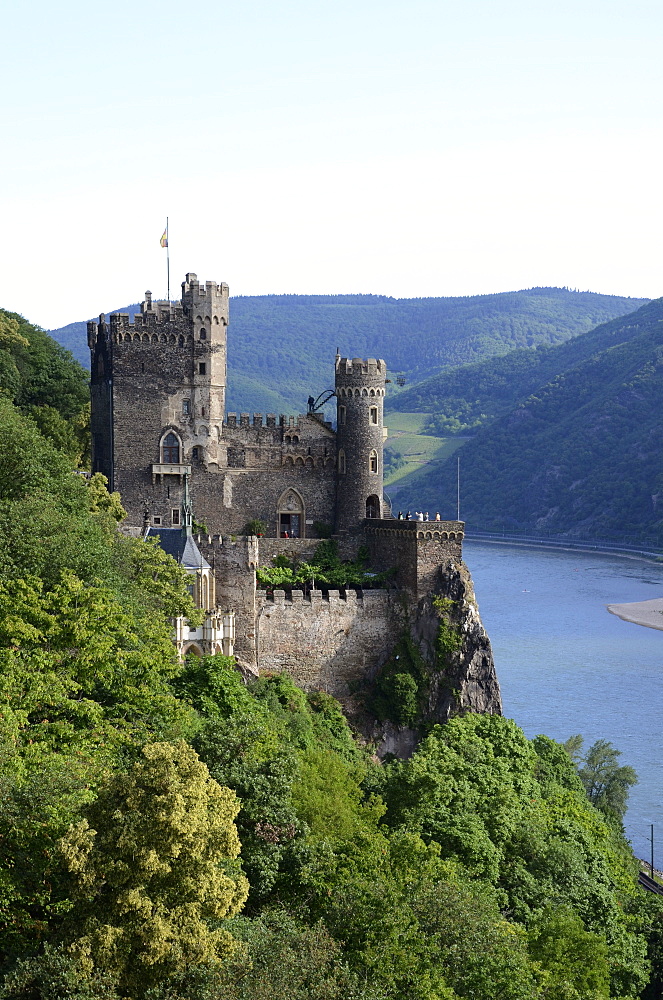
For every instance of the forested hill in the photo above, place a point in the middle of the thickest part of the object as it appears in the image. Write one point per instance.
(581, 455)
(468, 396)
(281, 347)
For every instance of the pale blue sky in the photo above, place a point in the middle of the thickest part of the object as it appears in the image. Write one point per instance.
(420, 149)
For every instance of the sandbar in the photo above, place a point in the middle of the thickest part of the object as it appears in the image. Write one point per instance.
(647, 613)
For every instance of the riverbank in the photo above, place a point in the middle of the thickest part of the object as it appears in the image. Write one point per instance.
(647, 613)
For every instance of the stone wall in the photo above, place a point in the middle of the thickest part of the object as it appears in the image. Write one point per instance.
(327, 642)
(303, 549)
(227, 498)
(415, 548)
(234, 563)
(336, 642)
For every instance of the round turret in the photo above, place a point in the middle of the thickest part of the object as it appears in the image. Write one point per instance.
(359, 438)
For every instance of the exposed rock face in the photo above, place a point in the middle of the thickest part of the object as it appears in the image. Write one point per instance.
(461, 680)
(393, 740)
(469, 681)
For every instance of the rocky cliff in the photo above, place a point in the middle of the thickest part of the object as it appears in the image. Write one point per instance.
(442, 666)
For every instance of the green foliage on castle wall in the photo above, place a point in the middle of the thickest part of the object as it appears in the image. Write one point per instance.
(401, 686)
(325, 570)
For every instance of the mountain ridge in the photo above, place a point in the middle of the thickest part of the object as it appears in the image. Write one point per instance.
(580, 455)
(283, 346)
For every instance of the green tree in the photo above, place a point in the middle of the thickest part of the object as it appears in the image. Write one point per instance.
(413, 923)
(575, 960)
(56, 975)
(246, 753)
(103, 502)
(152, 870)
(606, 782)
(79, 664)
(62, 433)
(283, 960)
(514, 813)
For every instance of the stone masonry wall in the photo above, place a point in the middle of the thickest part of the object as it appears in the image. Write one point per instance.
(325, 643)
(225, 499)
(234, 564)
(303, 549)
(415, 548)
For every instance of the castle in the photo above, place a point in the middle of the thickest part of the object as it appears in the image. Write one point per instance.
(159, 414)
(163, 439)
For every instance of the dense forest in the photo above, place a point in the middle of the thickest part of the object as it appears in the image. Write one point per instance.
(569, 438)
(170, 832)
(42, 379)
(281, 347)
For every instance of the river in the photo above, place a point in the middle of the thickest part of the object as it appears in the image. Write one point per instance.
(566, 665)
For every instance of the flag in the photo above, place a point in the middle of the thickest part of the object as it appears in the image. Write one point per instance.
(164, 238)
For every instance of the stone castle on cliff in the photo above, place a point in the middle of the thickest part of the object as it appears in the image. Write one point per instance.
(163, 439)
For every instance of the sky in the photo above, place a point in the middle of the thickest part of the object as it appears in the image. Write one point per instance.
(422, 149)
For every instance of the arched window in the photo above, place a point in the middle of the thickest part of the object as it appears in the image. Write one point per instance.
(341, 461)
(170, 449)
(181, 342)
(203, 334)
(373, 461)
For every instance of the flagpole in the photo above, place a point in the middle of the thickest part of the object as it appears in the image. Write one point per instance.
(168, 258)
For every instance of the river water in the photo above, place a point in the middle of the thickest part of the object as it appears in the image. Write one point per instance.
(565, 665)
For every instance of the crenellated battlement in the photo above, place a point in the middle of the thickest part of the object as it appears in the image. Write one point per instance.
(288, 425)
(205, 302)
(441, 531)
(357, 367)
(201, 316)
(314, 600)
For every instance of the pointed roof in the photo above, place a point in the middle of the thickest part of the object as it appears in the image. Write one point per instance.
(179, 544)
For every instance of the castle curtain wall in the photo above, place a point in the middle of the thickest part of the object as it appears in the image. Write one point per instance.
(328, 642)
